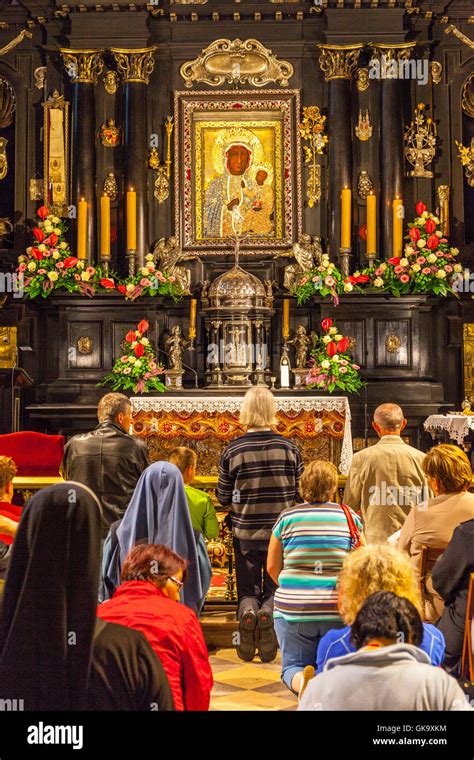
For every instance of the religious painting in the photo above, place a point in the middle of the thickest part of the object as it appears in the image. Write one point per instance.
(237, 172)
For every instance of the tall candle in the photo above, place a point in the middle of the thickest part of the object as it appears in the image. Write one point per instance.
(82, 229)
(105, 225)
(286, 317)
(284, 373)
(192, 318)
(371, 222)
(397, 233)
(346, 196)
(131, 220)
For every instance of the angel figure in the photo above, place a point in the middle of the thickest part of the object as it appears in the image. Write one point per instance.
(308, 253)
(302, 343)
(174, 347)
(167, 256)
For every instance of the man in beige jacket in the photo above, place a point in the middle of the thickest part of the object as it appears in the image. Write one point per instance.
(386, 480)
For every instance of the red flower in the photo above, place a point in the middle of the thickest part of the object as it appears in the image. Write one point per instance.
(122, 289)
(343, 345)
(331, 348)
(71, 261)
(43, 212)
(36, 253)
(143, 326)
(432, 242)
(107, 283)
(326, 324)
(414, 234)
(361, 278)
(139, 350)
(363, 232)
(130, 336)
(53, 239)
(39, 234)
(395, 260)
(430, 226)
(420, 207)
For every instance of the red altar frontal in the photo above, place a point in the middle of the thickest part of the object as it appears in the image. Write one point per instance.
(320, 426)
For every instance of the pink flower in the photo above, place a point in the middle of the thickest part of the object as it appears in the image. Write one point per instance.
(91, 270)
(355, 366)
(46, 254)
(379, 272)
(147, 375)
(404, 278)
(127, 371)
(426, 270)
(145, 282)
(329, 281)
(21, 267)
(342, 370)
(59, 265)
(315, 278)
(303, 280)
(124, 359)
(152, 365)
(398, 269)
(448, 268)
(421, 260)
(41, 271)
(172, 278)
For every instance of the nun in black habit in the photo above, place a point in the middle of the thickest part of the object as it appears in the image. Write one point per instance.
(54, 653)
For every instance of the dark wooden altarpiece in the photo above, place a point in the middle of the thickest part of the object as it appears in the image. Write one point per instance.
(425, 374)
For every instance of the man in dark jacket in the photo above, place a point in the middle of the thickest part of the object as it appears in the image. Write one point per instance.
(108, 459)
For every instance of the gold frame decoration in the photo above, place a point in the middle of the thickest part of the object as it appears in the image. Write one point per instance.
(311, 130)
(56, 153)
(207, 124)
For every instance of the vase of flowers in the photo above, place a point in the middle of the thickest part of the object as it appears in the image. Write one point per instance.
(150, 282)
(325, 280)
(136, 369)
(331, 367)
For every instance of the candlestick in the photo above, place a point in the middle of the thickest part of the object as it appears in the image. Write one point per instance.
(105, 226)
(192, 318)
(397, 233)
(286, 318)
(346, 196)
(131, 220)
(371, 244)
(82, 229)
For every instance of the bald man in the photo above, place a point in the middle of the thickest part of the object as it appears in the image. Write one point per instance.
(386, 480)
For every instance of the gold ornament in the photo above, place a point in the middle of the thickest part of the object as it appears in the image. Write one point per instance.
(135, 65)
(363, 127)
(110, 135)
(15, 41)
(311, 130)
(154, 159)
(466, 156)
(236, 62)
(85, 344)
(7, 103)
(40, 76)
(5, 226)
(392, 343)
(457, 33)
(436, 69)
(362, 79)
(56, 153)
(339, 61)
(467, 97)
(162, 182)
(444, 192)
(110, 186)
(420, 143)
(364, 184)
(111, 82)
(83, 65)
(3, 157)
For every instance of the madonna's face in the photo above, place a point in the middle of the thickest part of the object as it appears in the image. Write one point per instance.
(238, 159)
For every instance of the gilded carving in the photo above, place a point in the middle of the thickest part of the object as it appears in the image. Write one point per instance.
(363, 128)
(436, 70)
(56, 152)
(311, 130)
(392, 343)
(467, 97)
(135, 65)
(420, 143)
(362, 79)
(83, 65)
(3, 157)
(15, 41)
(40, 76)
(364, 184)
(236, 62)
(7, 103)
(339, 61)
(111, 82)
(110, 186)
(85, 344)
(8, 339)
(110, 135)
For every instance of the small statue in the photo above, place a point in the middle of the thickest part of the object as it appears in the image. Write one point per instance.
(205, 293)
(110, 135)
(302, 343)
(5, 226)
(466, 407)
(174, 346)
(167, 255)
(269, 285)
(111, 82)
(308, 253)
(3, 157)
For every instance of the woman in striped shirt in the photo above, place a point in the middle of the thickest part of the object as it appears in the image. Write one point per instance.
(307, 548)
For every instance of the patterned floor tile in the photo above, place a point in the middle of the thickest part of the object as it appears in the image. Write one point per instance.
(247, 677)
(251, 700)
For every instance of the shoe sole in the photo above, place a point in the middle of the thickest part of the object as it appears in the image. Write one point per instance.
(247, 646)
(267, 643)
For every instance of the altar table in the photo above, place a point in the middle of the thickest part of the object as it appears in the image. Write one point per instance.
(321, 426)
(457, 426)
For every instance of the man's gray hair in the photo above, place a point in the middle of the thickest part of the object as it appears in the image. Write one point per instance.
(111, 405)
(389, 416)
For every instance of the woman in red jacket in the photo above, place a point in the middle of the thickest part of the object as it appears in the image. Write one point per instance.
(148, 600)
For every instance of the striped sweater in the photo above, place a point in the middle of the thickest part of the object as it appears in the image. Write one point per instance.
(315, 541)
(258, 478)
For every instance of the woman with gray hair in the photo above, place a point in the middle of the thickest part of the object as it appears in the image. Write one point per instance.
(258, 478)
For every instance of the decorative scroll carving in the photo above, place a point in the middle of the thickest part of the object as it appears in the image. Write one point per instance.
(457, 33)
(396, 52)
(339, 61)
(15, 41)
(312, 131)
(467, 97)
(135, 65)
(83, 65)
(40, 76)
(364, 184)
(392, 343)
(7, 103)
(236, 62)
(420, 143)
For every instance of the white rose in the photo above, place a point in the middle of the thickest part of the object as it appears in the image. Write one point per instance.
(325, 364)
(383, 267)
(144, 271)
(439, 233)
(81, 264)
(130, 288)
(332, 330)
(436, 221)
(325, 256)
(134, 343)
(55, 219)
(149, 257)
(421, 243)
(32, 266)
(416, 268)
(441, 274)
(47, 227)
(57, 231)
(53, 276)
(337, 337)
(457, 267)
(455, 251)
(132, 359)
(378, 282)
(431, 258)
(348, 287)
(42, 247)
(85, 276)
(424, 214)
(336, 358)
(21, 259)
(327, 338)
(56, 255)
(403, 262)
(145, 341)
(138, 363)
(63, 245)
(409, 251)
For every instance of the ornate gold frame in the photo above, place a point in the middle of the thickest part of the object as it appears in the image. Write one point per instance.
(242, 105)
(56, 101)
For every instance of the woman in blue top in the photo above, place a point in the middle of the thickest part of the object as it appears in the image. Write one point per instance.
(367, 570)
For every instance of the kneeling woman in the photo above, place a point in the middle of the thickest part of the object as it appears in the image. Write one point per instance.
(307, 549)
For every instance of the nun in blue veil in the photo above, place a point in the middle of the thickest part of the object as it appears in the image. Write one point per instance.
(157, 514)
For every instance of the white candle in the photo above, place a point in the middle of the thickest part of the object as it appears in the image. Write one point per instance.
(284, 374)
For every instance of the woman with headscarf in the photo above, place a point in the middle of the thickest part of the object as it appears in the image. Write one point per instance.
(157, 514)
(53, 656)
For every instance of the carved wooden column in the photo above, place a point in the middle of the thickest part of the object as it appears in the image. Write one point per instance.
(84, 68)
(391, 136)
(135, 67)
(338, 63)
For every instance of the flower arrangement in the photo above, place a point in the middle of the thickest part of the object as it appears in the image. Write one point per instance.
(137, 369)
(49, 264)
(330, 365)
(325, 280)
(426, 266)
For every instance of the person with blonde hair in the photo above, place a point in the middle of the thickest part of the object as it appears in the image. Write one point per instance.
(387, 479)
(432, 523)
(366, 571)
(258, 478)
(307, 549)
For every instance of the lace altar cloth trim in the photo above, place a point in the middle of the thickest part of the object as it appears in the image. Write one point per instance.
(223, 404)
(457, 427)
